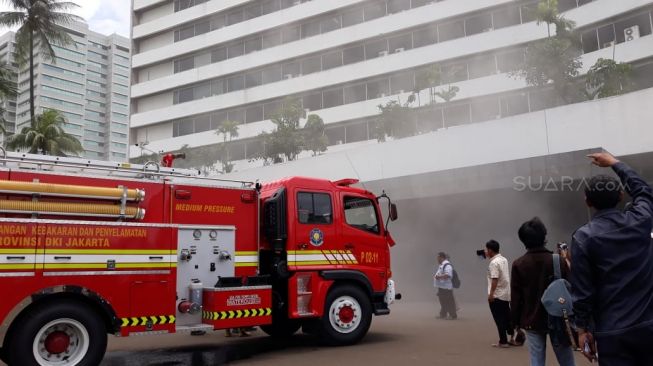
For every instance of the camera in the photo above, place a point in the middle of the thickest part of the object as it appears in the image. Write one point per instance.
(481, 253)
(563, 246)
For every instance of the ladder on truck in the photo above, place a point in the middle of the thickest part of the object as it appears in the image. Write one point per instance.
(150, 170)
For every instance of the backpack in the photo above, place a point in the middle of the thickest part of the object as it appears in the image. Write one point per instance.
(455, 280)
(556, 298)
(558, 303)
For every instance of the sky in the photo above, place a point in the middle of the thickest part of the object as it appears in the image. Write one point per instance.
(103, 16)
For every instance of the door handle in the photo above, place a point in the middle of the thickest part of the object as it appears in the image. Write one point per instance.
(13, 258)
(155, 258)
(62, 258)
(302, 246)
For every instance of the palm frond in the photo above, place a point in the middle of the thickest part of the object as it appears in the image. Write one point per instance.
(12, 19)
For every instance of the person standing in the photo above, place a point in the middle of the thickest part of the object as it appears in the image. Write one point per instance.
(531, 275)
(498, 289)
(612, 276)
(443, 282)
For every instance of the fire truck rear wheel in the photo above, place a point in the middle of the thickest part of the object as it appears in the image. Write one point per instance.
(347, 316)
(62, 333)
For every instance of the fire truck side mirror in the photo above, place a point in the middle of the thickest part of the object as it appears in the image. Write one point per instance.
(394, 214)
(275, 220)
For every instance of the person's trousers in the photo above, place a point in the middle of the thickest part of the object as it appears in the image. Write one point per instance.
(447, 303)
(501, 313)
(537, 350)
(631, 348)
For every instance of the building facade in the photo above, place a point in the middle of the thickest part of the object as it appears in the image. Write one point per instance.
(88, 81)
(199, 63)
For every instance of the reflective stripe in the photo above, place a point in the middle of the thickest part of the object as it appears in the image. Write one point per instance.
(17, 274)
(109, 251)
(96, 258)
(105, 273)
(319, 257)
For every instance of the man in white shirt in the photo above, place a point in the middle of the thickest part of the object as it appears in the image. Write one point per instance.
(498, 288)
(442, 281)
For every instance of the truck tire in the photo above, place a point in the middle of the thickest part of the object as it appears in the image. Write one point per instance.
(347, 316)
(64, 332)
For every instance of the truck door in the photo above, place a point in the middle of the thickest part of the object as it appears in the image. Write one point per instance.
(315, 231)
(362, 236)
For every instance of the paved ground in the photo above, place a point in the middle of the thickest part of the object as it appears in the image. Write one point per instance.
(410, 334)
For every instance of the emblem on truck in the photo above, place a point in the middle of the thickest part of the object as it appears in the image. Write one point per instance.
(317, 237)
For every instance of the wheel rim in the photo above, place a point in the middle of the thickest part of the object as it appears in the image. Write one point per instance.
(61, 342)
(345, 314)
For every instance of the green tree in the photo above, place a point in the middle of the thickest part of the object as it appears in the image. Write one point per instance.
(429, 78)
(315, 139)
(228, 130)
(286, 141)
(556, 59)
(608, 78)
(40, 24)
(7, 89)
(395, 120)
(46, 135)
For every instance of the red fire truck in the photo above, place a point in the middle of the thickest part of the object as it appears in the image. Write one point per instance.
(90, 248)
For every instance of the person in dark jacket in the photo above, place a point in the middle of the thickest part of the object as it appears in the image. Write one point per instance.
(612, 269)
(531, 275)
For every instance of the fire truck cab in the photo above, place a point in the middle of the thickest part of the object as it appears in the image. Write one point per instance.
(91, 248)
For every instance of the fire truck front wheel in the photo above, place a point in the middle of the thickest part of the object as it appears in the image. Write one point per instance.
(62, 333)
(347, 316)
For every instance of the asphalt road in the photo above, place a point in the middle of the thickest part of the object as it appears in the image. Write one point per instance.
(410, 334)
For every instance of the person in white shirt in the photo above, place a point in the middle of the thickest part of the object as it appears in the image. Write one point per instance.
(498, 289)
(442, 281)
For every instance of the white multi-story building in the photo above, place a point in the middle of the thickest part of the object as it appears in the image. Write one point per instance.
(198, 63)
(88, 82)
(480, 164)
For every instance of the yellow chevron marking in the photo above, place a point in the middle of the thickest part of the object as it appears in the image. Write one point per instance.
(154, 320)
(125, 322)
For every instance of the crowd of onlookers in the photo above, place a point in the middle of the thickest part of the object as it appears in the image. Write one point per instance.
(595, 296)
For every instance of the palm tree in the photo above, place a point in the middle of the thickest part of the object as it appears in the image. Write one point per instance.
(228, 130)
(46, 135)
(7, 89)
(40, 24)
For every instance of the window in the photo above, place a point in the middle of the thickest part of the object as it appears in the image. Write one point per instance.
(590, 41)
(400, 43)
(378, 89)
(253, 11)
(374, 10)
(311, 65)
(451, 30)
(355, 93)
(478, 24)
(425, 37)
(236, 50)
(313, 101)
(606, 36)
(564, 5)
(395, 6)
(184, 64)
(353, 17)
(514, 104)
(291, 69)
(272, 74)
(271, 39)
(331, 23)
(253, 79)
(361, 214)
(253, 44)
(486, 109)
(271, 109)
(217, 119)
(481, 66)
(332, 60)
(333, 98)
(353, 55)
(218, 54)
(236, 83)
(633, 28)
(376, 49)
(457, 115)
(506, 17)
(237, 115)
(402, 83)
(511, 60)
(290, 34)
(310, 29)
(270, 6)
(314, 208)
(235, 17)
(254, 114)
(202, 123)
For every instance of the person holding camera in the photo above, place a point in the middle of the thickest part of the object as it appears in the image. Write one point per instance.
(498, 289)
(531, 275)
(442, 280)
(612, 276)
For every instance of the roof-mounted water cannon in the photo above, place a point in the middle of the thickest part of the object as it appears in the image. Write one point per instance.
(168, 160)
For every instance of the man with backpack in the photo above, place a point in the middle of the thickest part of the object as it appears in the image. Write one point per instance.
(532, 274)
(498, 289)
(443, 280)
(612, 276)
